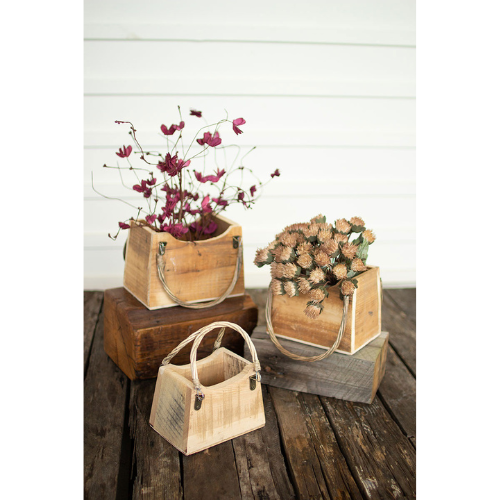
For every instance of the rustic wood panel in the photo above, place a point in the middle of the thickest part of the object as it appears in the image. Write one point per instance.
(380, 457)
(211, 474)
(92, 303)
(157, 462)
(406, 298)
(354, 378)
(105, 396)
(398, 393)
(402, 328)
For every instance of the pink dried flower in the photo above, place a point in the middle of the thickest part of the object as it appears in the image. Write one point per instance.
(211, 178)
(276, 173)
(143, 188)
(150, 219)
(236, 123)
(175, 230)
(220, 202)
(252, 190)
(123, 225)
(193, 112)
(205, 204)
(215, 140)
(211, 227)
(124, 152)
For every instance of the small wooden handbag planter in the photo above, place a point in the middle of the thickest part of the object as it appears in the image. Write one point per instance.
(205, 403)
(363, 319)
(162, 271)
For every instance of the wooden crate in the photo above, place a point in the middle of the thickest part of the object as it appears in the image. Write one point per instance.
(230, 405)
(137, 339)
(194, 271)
(364, 316)
(353, 378)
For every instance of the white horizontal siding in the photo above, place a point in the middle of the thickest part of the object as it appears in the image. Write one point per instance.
(327, 92)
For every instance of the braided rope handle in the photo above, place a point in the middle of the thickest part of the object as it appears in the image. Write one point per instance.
(319, 357)
(198, 337)
(160, 267)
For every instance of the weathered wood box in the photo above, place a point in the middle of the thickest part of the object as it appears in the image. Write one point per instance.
(205, 403)
(364, 316)
(137, 339)
(196, 271)
(352, 378)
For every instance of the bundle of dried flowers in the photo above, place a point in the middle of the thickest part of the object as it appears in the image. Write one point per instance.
(309, 258)
(178, 201)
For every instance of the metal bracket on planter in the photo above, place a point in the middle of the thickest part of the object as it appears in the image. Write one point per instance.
(236, 241)
(161, 249)
(198, 400)
(253, 381)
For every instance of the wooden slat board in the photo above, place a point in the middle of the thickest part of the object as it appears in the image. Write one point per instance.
(310, 447)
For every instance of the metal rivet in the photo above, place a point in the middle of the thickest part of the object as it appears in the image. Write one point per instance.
(198, 400)
(161, 248)
(236, 241)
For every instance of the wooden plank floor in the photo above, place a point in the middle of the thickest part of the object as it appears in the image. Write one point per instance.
(310, 447)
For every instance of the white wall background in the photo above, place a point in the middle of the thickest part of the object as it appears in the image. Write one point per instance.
(327, 89)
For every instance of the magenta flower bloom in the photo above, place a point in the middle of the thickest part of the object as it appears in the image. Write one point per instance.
(236, 123)
(276, 173)
(220, 202)
(215, 140)
(143, 188)
(241, 195)
(150, 219)
(206, 137)
(211, 178)
(152, 181)
(211, 228)
(172, 165)
(123, 225)
(179, 127)
(195, 113)
(205, 205)
(252, 190)
(175, 230)
(172, 129)
(124, 152)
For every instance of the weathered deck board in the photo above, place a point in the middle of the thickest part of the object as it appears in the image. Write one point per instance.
(106, 389)
(157, 462)
(402, 329)
(379, 455)
(406, 298)
(92, 303)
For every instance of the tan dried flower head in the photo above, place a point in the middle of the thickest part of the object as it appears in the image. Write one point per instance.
(357, 265)
(261, 255)
(277, 287)
(300, 238)
(289, 239)
(349, 250)
(324, 235)
(277, 270)
(290, 271)
(310, 231)
(340, 271)
(312, 311)
(291, 288)
(304, 285)
(272, 245)
(325, 225)
(357, 221)
(347, 288)
(340, 238)
(317, 276)
(342, 225)
(303, 248)
(305, 261)
(284, 254)
(319, 216)
(329, 247)
(317, 295)
(368, 235)
(321, 258)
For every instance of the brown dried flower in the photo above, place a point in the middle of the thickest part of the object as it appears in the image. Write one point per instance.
(368, 235)
(311, 231)
(289, 239)
(340, 271)
(305, 261)
(357, 265)
(277, 287)
(329, 247)
(319, 216)
(304, 285)
(317, 295)
(321, 258)
(305, 247)
(291, 288)
(312, 311)
(261, 255)
(343, 226)
(347, 288)
(357, 221)
(277, 270)
(290, 271)
(349, 250)
(338, 237)
(285, 254)
(324, 235)
(317, 276)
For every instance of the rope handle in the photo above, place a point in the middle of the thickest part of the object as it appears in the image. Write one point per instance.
(319, 357)
(160, 267)
(198, 337)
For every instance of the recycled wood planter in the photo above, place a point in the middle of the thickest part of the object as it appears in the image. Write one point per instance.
(363, 321)
(208, 402)
(137, 339)
(352, 378)
(162, 271)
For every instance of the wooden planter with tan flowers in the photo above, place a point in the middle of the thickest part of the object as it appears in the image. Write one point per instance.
(162, 271)
(361, 320)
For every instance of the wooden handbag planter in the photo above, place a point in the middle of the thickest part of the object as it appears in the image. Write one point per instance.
(205, 403)
(162, 271)
(363, 317)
